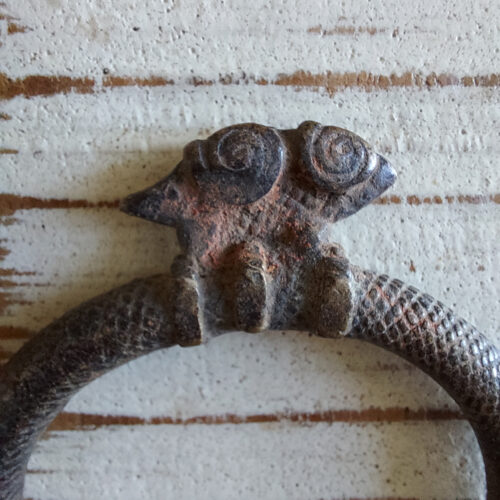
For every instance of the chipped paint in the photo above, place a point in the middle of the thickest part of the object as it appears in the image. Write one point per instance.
(121, 81)
(13, 28)
(10, 203)
(47, 85)
(67, 421)
(40, 85)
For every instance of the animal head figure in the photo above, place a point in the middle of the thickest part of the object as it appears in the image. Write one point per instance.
(250, 181)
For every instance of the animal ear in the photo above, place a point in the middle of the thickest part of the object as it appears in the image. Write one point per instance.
(240, 164)
(335, 158)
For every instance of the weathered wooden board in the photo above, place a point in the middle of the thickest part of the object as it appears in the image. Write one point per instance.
(97, 100)
(280, 460)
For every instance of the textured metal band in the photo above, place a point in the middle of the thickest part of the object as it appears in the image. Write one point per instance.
(140, 317)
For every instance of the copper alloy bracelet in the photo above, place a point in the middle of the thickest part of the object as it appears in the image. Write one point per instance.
(248, 204)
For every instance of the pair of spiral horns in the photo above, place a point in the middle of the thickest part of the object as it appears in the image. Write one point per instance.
(241, 163)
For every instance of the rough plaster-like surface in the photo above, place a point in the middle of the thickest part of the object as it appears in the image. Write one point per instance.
(97, 100)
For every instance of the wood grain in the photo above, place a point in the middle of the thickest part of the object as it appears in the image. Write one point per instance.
(83, 421)
(249, 459)
(48, 85)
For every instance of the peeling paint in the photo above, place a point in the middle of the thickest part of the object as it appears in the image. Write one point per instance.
(8, 299)
(14, 272)
(8, 221)
(122, 81)
(13, 28)
(3, 252)
(47, 85)
(10, 203)
(39, 85)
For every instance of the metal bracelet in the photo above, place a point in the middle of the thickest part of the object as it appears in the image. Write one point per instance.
(248, 204)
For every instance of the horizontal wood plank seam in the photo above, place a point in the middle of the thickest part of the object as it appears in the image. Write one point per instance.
(68, 421)
(10, 203)
(48, 85)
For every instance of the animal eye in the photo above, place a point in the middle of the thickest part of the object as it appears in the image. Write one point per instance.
(335, 157)
(172, 193)
(241, 163)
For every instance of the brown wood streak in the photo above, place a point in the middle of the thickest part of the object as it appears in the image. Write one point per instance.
(3, 251)
(8, 299)
(81, 421)
(123, 81)
(39, 85)
(371, 498)
(12, 333)
(8, 151)
(15, 332)
(13, 28)
(10, 203)
(15, 272)
(47, 85)
(345, 30)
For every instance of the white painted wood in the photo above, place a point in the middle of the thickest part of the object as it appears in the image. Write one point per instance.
(182, 39)
(270, 461)
(101, 147)
(442, 140)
